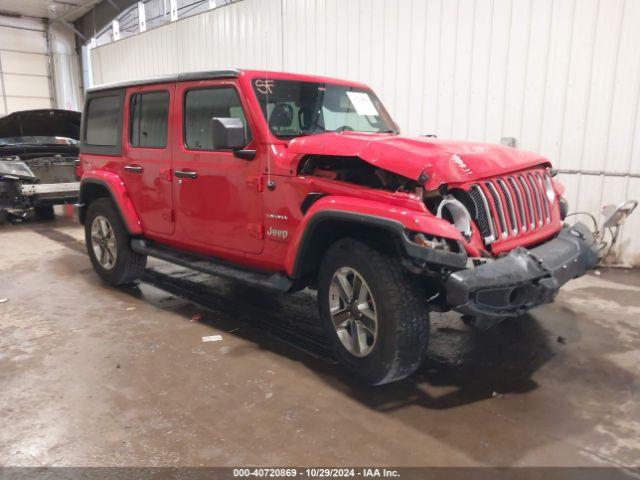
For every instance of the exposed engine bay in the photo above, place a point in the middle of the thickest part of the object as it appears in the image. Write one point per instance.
(356, 171)
(453, 205)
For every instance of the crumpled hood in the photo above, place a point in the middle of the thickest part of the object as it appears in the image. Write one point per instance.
(445, 161)
(41, 123)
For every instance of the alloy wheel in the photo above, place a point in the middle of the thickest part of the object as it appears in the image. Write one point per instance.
(103, 242)
(353, 311)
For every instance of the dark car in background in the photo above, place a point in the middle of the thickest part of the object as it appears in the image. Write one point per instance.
(38, 162)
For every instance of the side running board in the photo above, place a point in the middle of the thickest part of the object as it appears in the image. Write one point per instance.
(267, 281)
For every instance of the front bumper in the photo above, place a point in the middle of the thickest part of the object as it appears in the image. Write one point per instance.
(51, 189)
(524, 278)
(20, 196)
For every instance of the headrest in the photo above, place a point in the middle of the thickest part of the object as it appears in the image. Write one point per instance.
(281, 116)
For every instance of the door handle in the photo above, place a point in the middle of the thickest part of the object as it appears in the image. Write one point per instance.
(186, 174)
(133, 168)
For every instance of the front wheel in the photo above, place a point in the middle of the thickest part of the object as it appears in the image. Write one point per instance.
(373, 312)
(44, 212)
(108, 245)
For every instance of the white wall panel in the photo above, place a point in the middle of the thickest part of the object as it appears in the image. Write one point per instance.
(18, 62)
(562, 76)
(24, 65)
(28, 39)
(556, 81)
(30, 86)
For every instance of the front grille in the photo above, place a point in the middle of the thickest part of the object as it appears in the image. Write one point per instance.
(511, 205)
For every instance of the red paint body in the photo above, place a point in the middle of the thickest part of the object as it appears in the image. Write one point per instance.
(227, 210)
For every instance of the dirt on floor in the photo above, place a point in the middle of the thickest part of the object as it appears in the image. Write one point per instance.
(96, 376)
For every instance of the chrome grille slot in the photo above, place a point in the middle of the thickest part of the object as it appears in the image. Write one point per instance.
(498, 206)
(529, 202)
(536, 197)
(543, 197)
(510, 206)
(519, 202)
(484, 220)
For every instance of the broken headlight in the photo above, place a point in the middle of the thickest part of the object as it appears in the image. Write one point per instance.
(14, 167)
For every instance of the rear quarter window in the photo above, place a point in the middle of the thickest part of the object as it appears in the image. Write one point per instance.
(102, 123)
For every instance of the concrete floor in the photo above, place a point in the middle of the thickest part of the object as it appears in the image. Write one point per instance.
(92, 376)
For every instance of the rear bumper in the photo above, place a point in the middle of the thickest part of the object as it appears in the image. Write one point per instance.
(524, 278)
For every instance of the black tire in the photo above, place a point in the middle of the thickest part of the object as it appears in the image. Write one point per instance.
(400, 303)
(128, 265)
(44, 213)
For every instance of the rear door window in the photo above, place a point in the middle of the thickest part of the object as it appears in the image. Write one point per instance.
(148, 119)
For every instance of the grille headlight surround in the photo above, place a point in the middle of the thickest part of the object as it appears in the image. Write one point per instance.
(454, 211)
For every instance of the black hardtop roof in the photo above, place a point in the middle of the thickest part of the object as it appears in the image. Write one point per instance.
(179, 77)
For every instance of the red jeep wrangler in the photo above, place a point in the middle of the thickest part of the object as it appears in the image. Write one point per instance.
(288, 181)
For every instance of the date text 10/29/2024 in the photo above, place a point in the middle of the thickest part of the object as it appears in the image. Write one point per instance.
(316, 472)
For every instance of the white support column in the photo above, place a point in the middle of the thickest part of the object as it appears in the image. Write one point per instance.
(115, 27)
(142, 21)
(174, 10)
(88, 74)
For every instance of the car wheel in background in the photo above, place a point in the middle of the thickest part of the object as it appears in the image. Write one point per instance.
(44, 212)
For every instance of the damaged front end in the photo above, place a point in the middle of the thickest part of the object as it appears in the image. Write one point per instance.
(38, 161)
(526, 250)
(525, 278)
(493, 289)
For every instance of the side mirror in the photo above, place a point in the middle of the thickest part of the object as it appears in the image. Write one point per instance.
(227, 133)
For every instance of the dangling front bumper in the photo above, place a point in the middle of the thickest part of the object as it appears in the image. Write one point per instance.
(525, 278)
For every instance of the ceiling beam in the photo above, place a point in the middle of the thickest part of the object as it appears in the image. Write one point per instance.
(71, 27)
(100, 16)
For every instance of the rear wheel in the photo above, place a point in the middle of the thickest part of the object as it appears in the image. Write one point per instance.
(108, 245)
(373, 312)
(44, 212)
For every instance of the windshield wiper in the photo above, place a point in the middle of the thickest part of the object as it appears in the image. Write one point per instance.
(312, 131)
(301, 133)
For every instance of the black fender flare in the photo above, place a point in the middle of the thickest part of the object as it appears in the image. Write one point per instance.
(411, 249)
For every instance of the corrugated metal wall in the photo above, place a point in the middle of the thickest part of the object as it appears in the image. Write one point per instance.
(561, 76)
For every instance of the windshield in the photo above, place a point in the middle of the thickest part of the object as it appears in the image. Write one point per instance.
(293, 108)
